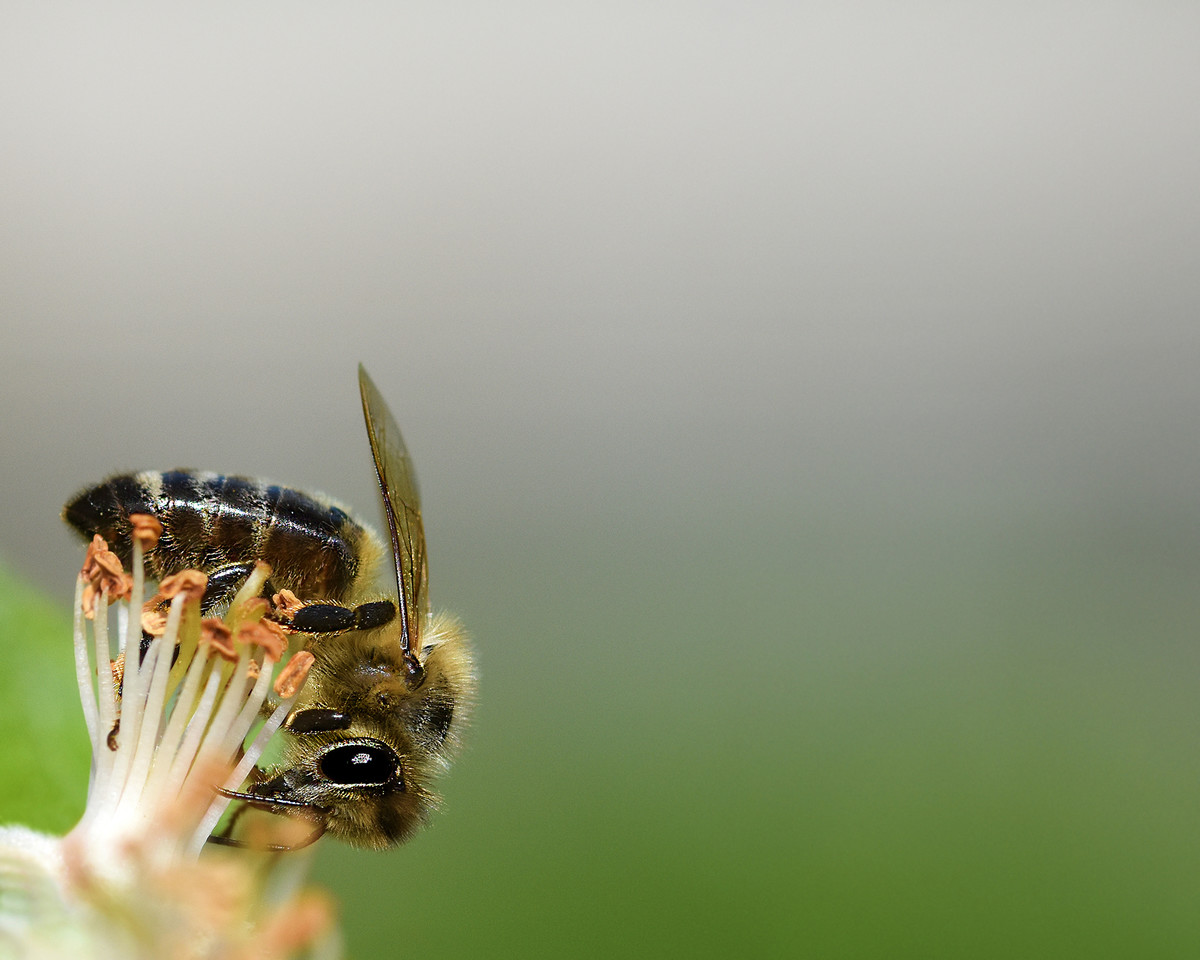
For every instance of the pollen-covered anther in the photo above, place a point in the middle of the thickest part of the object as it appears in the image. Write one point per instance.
(277, 629)
(218, 638)
(261, 635)
(253, 670)
(145, 529)
(191, 583)
(154, 619)
(291, 678)
(99, 560)
(255, 609)
(103, 571)
(287, 603)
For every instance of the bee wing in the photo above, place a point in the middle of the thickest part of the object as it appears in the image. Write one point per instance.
(402, 505)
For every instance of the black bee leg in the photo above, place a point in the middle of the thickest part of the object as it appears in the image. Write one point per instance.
(256, 775)
(322, 618)
(368, 616)
(316, 720)
(226, 835)
(327, 617)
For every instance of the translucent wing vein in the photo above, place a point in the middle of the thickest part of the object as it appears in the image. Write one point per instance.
(402, 506)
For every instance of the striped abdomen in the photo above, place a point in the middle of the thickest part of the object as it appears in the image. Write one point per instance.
(209, 521)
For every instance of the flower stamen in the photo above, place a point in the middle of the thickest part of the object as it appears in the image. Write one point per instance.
(174, 706)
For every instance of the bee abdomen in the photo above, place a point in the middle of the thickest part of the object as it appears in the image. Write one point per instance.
(209, 520)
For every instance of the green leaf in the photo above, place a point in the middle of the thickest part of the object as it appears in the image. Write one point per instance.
(44, 749)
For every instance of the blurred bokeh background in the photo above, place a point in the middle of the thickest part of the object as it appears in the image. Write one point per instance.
(805, 399)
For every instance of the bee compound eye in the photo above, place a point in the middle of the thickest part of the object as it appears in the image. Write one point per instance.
(360, 764)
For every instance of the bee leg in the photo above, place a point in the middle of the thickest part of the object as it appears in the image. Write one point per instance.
(308, 841)
(255, 776)
(270, 804)
(328, 617)
(368, 616)
(316, 720)
(322, 617)
(227, 833)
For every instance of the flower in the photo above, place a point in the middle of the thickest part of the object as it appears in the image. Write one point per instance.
(174, 707)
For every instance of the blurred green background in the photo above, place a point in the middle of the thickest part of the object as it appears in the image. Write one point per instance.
(948, 739)
(805, 402)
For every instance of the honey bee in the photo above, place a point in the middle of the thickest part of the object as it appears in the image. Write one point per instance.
(379, 715)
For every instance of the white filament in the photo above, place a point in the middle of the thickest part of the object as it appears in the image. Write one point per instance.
(166, 739)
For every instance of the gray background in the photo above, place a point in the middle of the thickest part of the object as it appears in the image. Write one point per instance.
(639, 257)
(749, 354)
